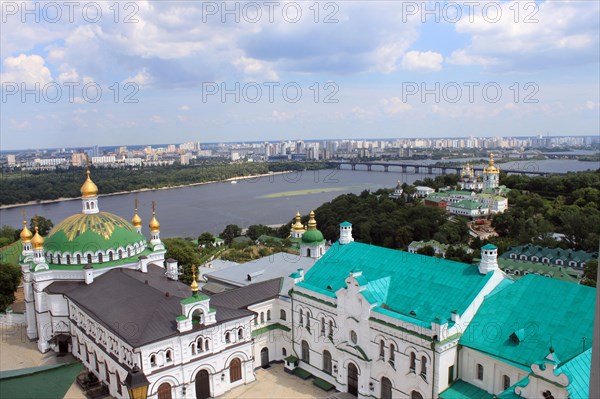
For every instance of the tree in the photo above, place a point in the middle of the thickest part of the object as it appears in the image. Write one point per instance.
(426, 250)
(185, 253)
(206, 240)
(231, 231)
(44, 225)
(10, 276)
(590, 273)
(257, 230)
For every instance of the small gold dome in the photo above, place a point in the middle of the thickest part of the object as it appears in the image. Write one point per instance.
(136, 220)
(298, 226)
(312, 223)
(89, 189)
(25, 233)
(491, 168)
(194, 285)
(154, 225)
(37, 241)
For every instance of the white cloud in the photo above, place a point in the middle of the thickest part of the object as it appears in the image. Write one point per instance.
(184, 108)
(69, 75)
(254, 69)
(157, 119)
(395, 105)
(422, 61)
(142, 79)
(591, 104)
(29, 69)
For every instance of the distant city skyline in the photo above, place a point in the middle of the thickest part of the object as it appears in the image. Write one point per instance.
(124, 72)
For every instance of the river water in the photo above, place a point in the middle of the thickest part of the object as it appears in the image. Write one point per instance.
(189, 211)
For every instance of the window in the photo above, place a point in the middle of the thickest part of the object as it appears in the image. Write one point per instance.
(322, 326)
(547, 395)
(386, 388)
(268, 314)
(415, 395)
(120, 254)
(424, 367)
(392, 353)
(301, 318)
(282, 314)
(330, 329)
(197, 317)
(89, 258)
(327, 362)
(479, 372)
(68, 259)
(308, 321)
(110, 256)
(235, 370)
(119, 388)
(505, 382)
(381, 349)
(206, 347)
(227, 338)
(413, 361)
(100, 258)
(79, 259)
(169, 356)
(262, 317)
(240, 334)
(153, 360)
(450, 375)
(305, 352)
(256, 320)
(164, 391)
(284, 352)
(353, 337)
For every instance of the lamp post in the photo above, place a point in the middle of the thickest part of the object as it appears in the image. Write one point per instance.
(137, 383)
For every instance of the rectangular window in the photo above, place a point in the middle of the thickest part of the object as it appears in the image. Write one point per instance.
(479, 372)
(450, 375)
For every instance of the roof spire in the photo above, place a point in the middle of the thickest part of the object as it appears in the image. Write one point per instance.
(154, 225)
(194, 284)
(26, 234)
(136, 220)
(88, 189)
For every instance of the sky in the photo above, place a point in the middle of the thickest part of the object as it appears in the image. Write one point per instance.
(114, 73)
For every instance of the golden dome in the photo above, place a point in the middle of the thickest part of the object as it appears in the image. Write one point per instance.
(298, 226)
(194, 284)
(136, 220)
(37, 241)
(312, 223)
(491, 168)
(154, 225)
(89, 189)
(25, 233)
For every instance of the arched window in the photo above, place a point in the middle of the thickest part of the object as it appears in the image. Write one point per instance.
(99, 258)
(120, 254)
(413, 361)
(119, 387)
(308, 252)
(268, 314)
(164, 391)
(89, 258)
(381, 349)
(305, 352)
(240, 334)
(206, 347)
(235, 370)
(386, 388)
(110, 257)
(322, 326)
(415, 395)
(479, 372)
(227, 337)
(392, 353)
(78, 259)
(262, 317)
(256, 320)
(301, 318)
(128, 252)
(327, 362)
(197, 317)
(58, 259)
(424, 367)
(505, 382)
(282, 314)
(169, 356)
(308, 321)
(153, 360)
(330, 329)
(284, 352)
(547, 395)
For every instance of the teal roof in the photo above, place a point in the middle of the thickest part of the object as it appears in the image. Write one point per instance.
(463, 390)
(578, 370)
(346, 224)
(312, 237)
(545, 309)
(466, 204)
(399, 282)
(551, 253)
(510, 392)
(39, 382)
(489, 246)
(558, 272)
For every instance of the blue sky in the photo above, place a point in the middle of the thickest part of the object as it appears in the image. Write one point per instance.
(358, 69)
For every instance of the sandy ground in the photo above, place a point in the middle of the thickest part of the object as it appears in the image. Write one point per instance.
(17, 352)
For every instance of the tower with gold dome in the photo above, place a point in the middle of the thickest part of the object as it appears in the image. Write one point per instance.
(297, 230)
(468, 180)
(313, 243)
(491, 175)
(78, 249)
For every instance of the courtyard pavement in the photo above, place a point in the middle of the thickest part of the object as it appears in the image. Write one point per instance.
(274, 383)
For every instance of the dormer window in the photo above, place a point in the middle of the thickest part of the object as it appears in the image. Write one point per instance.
(353, 337)
(227, 338)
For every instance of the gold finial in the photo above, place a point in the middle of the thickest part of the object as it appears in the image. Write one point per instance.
(154, 225)
(491, 168)
(194, 284)
(88, 189)
(136, 220)
(37, 241)
(297, 226)
(25, 233)
(312, 223)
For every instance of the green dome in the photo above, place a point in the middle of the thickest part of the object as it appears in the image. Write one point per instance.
(91, 233)
(312, 237)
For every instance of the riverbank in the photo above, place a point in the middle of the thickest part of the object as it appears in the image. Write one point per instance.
(141, 190)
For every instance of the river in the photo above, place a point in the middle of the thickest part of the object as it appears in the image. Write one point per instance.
(189, 211)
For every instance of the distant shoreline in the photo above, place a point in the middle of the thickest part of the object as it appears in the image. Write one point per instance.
(144, 189)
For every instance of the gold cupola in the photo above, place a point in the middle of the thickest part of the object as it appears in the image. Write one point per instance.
(26, 234)
(154, 225)
(89, 188)
(194, 285)
(491, 168)
(37, 241)
(136, 220)
(312, 223)
(298, 226)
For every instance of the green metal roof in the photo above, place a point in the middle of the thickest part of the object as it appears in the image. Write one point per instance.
(557, 272)
(46, 382)
(551, 253)
(489, 246)
(312, 237)
(346, 224)
(463, 390)
(578, 370)
(399, 282)
(545, 308)
(466, 204)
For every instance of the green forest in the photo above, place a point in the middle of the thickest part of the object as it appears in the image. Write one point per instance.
(20, 187)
